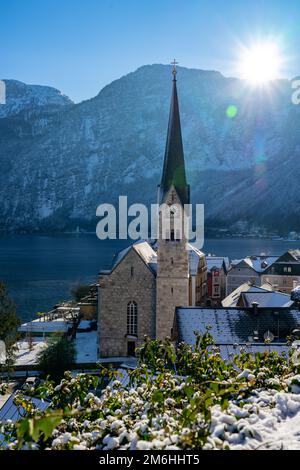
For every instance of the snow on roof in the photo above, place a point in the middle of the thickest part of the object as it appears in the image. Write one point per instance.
(143, 249)
(259, 263)
(228, 350)
(267, 299)
(37, 326)
(10, 411)
(234, 325)
(232, 299)
(194, 256)
(120, 255)
(263, 295)
(147, 253)
(217, 262)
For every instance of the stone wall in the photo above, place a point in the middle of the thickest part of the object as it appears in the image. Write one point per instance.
(115, 292)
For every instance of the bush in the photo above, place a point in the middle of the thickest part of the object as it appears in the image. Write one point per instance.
(57, 358)
(167, 404)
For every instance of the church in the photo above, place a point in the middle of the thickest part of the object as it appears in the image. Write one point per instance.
(138, 296)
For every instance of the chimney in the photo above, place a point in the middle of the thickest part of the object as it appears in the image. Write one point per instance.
(255, 308)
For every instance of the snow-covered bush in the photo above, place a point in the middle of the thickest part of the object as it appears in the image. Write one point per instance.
(183, 400)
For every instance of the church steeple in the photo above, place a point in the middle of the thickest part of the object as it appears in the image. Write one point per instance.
(172, 277)
(174, 166)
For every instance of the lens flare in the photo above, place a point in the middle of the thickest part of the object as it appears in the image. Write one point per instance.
(231, 111)
(260, 63)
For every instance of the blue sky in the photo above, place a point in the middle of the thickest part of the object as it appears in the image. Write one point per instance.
(79, 46)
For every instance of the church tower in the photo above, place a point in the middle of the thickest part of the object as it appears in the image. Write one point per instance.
(172, 282)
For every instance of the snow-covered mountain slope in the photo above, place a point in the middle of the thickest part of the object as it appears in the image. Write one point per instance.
(21, 97)
(59, 161)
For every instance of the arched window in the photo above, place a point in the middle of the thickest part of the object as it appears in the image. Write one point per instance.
(132, 318)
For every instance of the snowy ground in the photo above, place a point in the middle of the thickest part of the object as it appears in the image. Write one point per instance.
(86, 346)
(26, 356)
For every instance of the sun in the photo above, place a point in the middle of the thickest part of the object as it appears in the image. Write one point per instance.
(260, 63)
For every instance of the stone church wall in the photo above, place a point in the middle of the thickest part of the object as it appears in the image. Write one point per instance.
(116, 291)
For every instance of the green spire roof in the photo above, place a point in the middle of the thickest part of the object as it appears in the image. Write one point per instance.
(174, 167)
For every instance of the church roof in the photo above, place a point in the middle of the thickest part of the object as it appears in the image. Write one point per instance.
(144, 250)
(148, 254)
(174, 166)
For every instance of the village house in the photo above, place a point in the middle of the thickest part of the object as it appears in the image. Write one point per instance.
(284, 273)
(217, 268)
(248, 269)
(263, 296)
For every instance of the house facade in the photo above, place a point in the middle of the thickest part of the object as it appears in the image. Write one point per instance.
(217, 268)
(249, 269)
(284, 273)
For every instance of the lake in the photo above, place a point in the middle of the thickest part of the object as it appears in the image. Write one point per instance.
(40, 270)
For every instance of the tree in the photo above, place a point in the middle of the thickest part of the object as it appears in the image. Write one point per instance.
(79, 291)
(57, 358)
(9, 323)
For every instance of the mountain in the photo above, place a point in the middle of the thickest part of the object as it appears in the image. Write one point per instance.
(22, 97)
(60, 160)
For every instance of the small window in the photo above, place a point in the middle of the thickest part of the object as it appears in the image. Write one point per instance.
(132, 271)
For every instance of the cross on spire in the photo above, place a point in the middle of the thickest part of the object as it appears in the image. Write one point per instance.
(174, 71)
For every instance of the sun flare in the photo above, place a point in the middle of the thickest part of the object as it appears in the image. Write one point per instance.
(260, 63)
